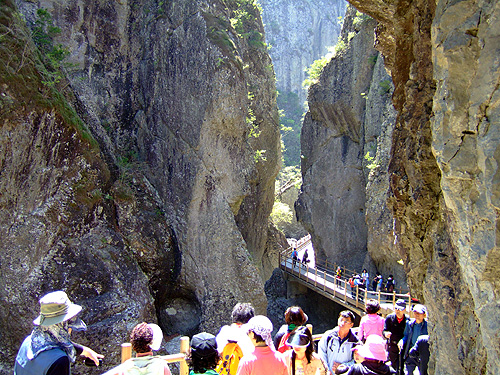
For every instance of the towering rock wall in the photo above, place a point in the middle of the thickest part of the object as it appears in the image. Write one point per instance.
(141, 183)
(299, 32)
(443, 58)
(342, 201)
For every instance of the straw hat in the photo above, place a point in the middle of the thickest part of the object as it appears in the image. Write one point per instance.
(56, 307)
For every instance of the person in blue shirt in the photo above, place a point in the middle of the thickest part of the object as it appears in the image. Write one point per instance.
(414, 328)
(48, 349)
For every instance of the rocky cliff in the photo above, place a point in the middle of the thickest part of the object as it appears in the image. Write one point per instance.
(342, 199)
(443, 168)
(300, 32)
(141, 179)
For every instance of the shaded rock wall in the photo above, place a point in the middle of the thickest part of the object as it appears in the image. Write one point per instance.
(299, 32)
(443, 169)
(349, 115)
(150, 201)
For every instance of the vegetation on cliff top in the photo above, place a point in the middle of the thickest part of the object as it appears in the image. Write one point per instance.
(30, 74)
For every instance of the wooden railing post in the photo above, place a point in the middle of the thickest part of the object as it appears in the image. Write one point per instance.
(126, 351)
(310, 327)
(316, 276)
(379, 297)
(184, 369)
(357, 294)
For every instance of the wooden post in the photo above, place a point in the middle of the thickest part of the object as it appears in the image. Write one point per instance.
(316, 276)
(324, 281)
(184, 369)
(357, 294)
(310, 327)
(366, 293)
(126, 351)
(379, 297)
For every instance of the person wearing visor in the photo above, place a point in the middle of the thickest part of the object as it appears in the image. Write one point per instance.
(414, 328)
(48, 349)
(394, 328)
(302, 360)
(204, 355)
(144, 339)
(264, 359)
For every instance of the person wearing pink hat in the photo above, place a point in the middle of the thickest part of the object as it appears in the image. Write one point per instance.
(371, 358)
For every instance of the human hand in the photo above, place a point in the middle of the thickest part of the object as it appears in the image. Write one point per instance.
(341, 369)
(400, 345)
(89, 353)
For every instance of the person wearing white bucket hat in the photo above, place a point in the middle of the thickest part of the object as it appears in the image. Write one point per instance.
(145, 338)
(264, 359)
(48, 349)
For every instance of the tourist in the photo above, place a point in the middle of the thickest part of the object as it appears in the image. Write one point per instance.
(295, 256)
(366, 278)
(380, 283)
(204, 355)
(264, 359)
(371, 358)
(144, 339)
(294, 318)
(390, 284)
(305, 257)
(302, 359)
(358, 284)
(420, 352)
(394, 328)
(48, 349)
(414, 328)
(335, 347)
(232, 341)
(372, 323)
(338, 276)
(241, 314)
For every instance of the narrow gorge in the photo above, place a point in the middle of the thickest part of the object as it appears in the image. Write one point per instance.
(140, 145)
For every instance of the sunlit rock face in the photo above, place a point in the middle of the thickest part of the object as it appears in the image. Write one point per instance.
(144, 188)
(342, 199)
(443, 58)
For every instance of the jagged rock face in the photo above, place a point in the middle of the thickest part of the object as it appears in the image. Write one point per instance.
(349, 111)
(150, 216)
(299, 32)
(443, 58)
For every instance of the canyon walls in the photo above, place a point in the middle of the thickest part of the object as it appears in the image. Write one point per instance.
(140, 180)
(443, 59)
(345, 145)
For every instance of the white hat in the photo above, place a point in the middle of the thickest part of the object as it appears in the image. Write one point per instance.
(157, 336)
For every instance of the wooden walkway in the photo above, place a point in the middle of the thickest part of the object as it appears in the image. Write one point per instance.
(322, 280)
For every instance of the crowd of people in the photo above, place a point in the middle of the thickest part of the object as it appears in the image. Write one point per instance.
(363, 281)
(395, 344)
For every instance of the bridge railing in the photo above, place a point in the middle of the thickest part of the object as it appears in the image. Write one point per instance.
(326, 282)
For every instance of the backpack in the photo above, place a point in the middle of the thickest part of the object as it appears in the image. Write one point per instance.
(283, 346)
(229, 359)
